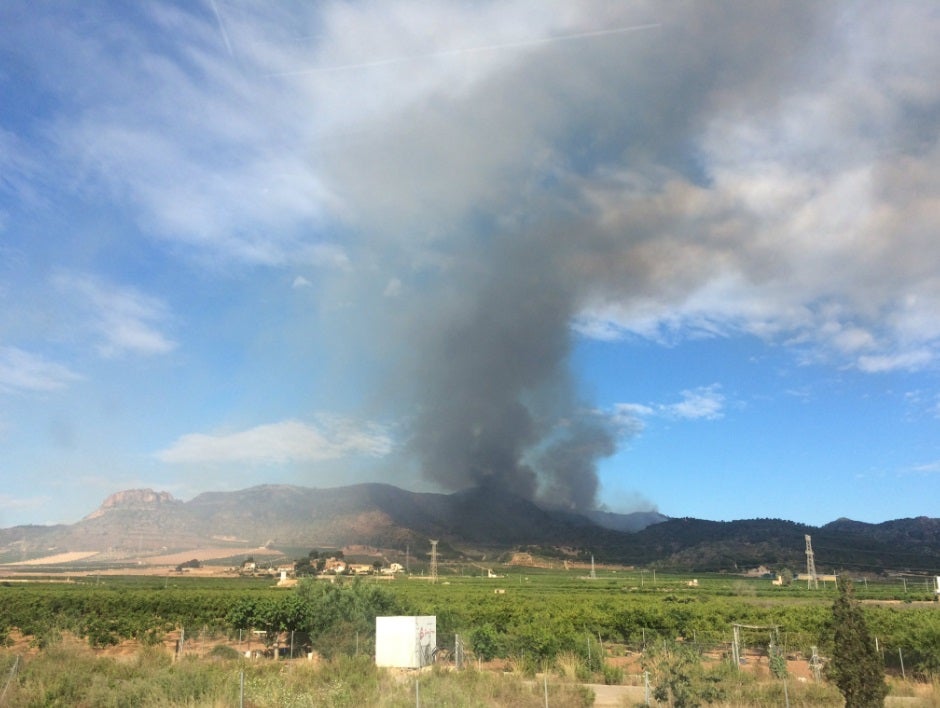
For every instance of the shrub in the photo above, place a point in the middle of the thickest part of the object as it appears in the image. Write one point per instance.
(613, 675)
(778, 662)
(486, 642)
(677, 673)
(227, 653)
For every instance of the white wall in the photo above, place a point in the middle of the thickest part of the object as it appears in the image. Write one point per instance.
(405, 642)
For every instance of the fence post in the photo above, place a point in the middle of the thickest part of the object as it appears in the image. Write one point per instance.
(901, 657)
(646, 688)
(16, 664)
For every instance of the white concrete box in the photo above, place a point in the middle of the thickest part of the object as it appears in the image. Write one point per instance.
(405, 642)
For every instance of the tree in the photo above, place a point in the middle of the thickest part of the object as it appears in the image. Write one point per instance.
(856, 667)
(679, 677)
(333, 615)
(243, 614)
(193, 563)
(304, 567)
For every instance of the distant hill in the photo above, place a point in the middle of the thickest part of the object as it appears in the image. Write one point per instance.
(135, 524)
(694, 544)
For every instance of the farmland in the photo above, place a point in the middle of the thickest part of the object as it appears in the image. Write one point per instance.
(528, 621)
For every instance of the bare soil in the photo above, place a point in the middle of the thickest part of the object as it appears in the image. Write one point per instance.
(57, 558)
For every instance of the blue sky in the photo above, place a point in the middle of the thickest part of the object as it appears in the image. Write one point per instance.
(638, 255)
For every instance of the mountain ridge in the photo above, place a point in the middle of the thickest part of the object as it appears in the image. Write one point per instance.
(138, 522)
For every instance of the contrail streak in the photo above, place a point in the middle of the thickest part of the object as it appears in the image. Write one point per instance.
(218, 18)
(469, 50)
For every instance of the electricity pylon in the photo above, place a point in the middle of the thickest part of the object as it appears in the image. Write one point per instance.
(812, 581)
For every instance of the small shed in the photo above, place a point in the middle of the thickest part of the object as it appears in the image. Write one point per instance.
(405, 642)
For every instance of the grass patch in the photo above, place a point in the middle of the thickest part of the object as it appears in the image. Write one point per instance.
(70, 674)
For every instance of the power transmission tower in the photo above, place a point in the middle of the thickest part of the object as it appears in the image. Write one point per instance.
(433, 560)
(812, 581)
(815, 664)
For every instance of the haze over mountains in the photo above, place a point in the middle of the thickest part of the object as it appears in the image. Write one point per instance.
(135, 524)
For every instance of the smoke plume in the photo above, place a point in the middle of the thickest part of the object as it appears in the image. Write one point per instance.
(492, 196)
(494, 216)
(495, 402)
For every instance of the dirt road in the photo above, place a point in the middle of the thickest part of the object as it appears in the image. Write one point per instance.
(616, 696)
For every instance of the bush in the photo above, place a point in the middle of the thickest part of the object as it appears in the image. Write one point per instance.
(778, 662)
(677, 673)
(224, 652)
(613, 675)
(486, 642)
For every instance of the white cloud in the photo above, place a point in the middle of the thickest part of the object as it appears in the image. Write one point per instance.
(629, 418)
(285, 442)
(22, 371)
(392, 288)
(124, 319)
(19, 166)
(210, 155)
(705, 403)
(909, 360)
(634, 410)
(11, 503)
(702, 403)
(301, 282)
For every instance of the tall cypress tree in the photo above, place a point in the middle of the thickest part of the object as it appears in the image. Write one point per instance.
(856, 667)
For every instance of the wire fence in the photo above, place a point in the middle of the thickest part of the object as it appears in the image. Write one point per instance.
(13, 670)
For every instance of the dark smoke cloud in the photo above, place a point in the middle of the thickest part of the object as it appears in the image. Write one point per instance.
(568, 463)
(494, 386)
(501, 211)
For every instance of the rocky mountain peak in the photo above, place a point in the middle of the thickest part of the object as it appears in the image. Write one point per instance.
(133, 499)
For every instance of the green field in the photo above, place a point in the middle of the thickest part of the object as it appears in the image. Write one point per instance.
(528, 620)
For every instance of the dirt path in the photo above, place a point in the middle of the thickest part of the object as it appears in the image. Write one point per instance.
(616, 696)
